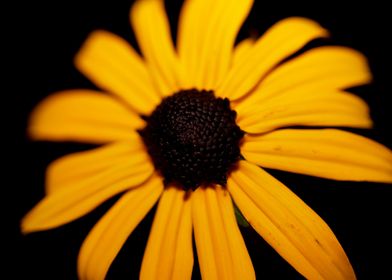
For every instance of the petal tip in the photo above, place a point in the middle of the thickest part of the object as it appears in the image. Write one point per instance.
(323, 32)
(27, 226)
(93, 41)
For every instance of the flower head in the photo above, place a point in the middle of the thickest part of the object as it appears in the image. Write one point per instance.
(192, 127)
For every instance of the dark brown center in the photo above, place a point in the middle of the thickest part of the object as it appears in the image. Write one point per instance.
(193, 139)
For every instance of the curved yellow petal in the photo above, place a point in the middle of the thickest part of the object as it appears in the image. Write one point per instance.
(169, 253)
(327, 153)
(108, 236)
(320, 69)
(77, 198)
(327, 108)
(72, 168)
(112, 64)
(296, 232)
(83, 116)
(220, 247)
(207, 31)
(241, 50)
(152, 30)
(283, 39)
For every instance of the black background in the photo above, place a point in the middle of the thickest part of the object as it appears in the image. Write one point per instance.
(44, 37)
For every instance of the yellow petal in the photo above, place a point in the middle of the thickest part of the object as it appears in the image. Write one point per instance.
(75, 167)
(220, 247)
(320, 69)
(112, 64)
(283, 39)
(296, 232)
(327, 153)
(324, 108)
(108, 236)
(77, 198)
(152, 31)
(169, 253)
(84, 116)
(242, 49)
(207, 31)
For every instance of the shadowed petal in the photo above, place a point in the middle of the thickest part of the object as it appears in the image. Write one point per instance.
(108, 236)
(296, 232)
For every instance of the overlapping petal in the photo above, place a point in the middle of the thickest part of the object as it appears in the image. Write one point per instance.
(112, 64)
(324, 108)
(78, 197)
(169, 253)
(294, 230)
(241, 50)
(323, 69)
(283, 39)
(152, 30)
(220, 247)
(207, 31)
(108, 236)
(83, 116)
(75, 167)
(326, 153)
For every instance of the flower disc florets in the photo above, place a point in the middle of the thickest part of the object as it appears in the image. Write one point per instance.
(193, 139)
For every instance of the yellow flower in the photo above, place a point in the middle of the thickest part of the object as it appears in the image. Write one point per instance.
(170, 134)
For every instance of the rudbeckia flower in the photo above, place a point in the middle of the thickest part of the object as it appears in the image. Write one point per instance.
(191, 126)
